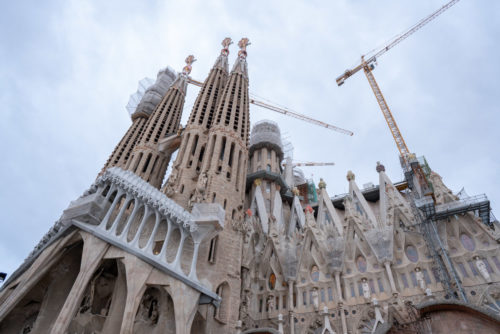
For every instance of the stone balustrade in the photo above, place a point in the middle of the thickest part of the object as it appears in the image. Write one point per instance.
(140, 219)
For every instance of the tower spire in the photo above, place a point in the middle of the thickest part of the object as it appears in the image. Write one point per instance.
(151, 98)
(186, 170)
(147, 160)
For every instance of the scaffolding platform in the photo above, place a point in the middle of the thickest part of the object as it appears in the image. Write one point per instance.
(480, 204)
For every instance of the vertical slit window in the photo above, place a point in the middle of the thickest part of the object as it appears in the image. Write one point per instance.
(212, 250)
(146, 163)
(222, 149)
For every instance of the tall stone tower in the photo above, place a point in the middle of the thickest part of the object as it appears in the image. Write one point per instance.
(152, 97)
(182, 181)
(264, 165)
(146, 160)
(222, 181)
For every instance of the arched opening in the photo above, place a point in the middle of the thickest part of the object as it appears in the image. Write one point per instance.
(125, 216)
(103, 302)
(199, 324)
(137, 162)
(147, 229)
(155, 314)
(222, 312)
(116, 210)
(136, 222)
(105, 191)
(37, 311)
(159, 237)
(173, 245)
(146, 164)
(187, 255)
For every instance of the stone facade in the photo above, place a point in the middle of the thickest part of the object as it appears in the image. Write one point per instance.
(237, 242)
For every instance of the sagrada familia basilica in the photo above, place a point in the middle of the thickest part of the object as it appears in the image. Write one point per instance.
(237, 241)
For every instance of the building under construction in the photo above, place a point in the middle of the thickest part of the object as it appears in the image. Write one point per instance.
(234, 239)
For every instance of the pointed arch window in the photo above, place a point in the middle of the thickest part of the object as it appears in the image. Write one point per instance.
(412, 253)
(272, 281)
(467, 242)
(361, 264)
(315, 274)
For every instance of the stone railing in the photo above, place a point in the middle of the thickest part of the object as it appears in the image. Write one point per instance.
(138, 218)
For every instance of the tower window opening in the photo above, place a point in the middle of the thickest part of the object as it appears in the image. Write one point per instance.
(231, 153)
(211, 151)
(259, 155)
(182, 189)
(214, 197)
(105, 192)
(154, 165)
(202, 152)
(238, 171)
(222, 148)
(138, 161)
(193, 148)
(146, 163)
(212, 249)
(225, 202)
(183, 148)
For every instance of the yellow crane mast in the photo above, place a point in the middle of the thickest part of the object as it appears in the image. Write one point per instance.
(369, 64)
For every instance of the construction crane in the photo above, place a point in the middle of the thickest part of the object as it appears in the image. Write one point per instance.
(286, 111)
(369, 64)
(421, 193)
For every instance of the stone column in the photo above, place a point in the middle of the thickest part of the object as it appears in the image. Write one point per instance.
(290, 306)
(391, 278)
(337, 284)
(342, 316)
(185, 304)
(93, 251)
(137, 272)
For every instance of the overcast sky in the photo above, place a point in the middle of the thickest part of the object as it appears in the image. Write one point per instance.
(67, 69)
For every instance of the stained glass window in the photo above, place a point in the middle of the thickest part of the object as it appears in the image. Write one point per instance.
(488, 266)
(314, 274)
(405, 280)
(361, 263)
(411, 253)
(330, 294)
(413, 278)
(497, 263)
(380, 285)
(462, 269)
(473, 268)
(372, 285)
(426, 276)
(272, 281)
(467, 242)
